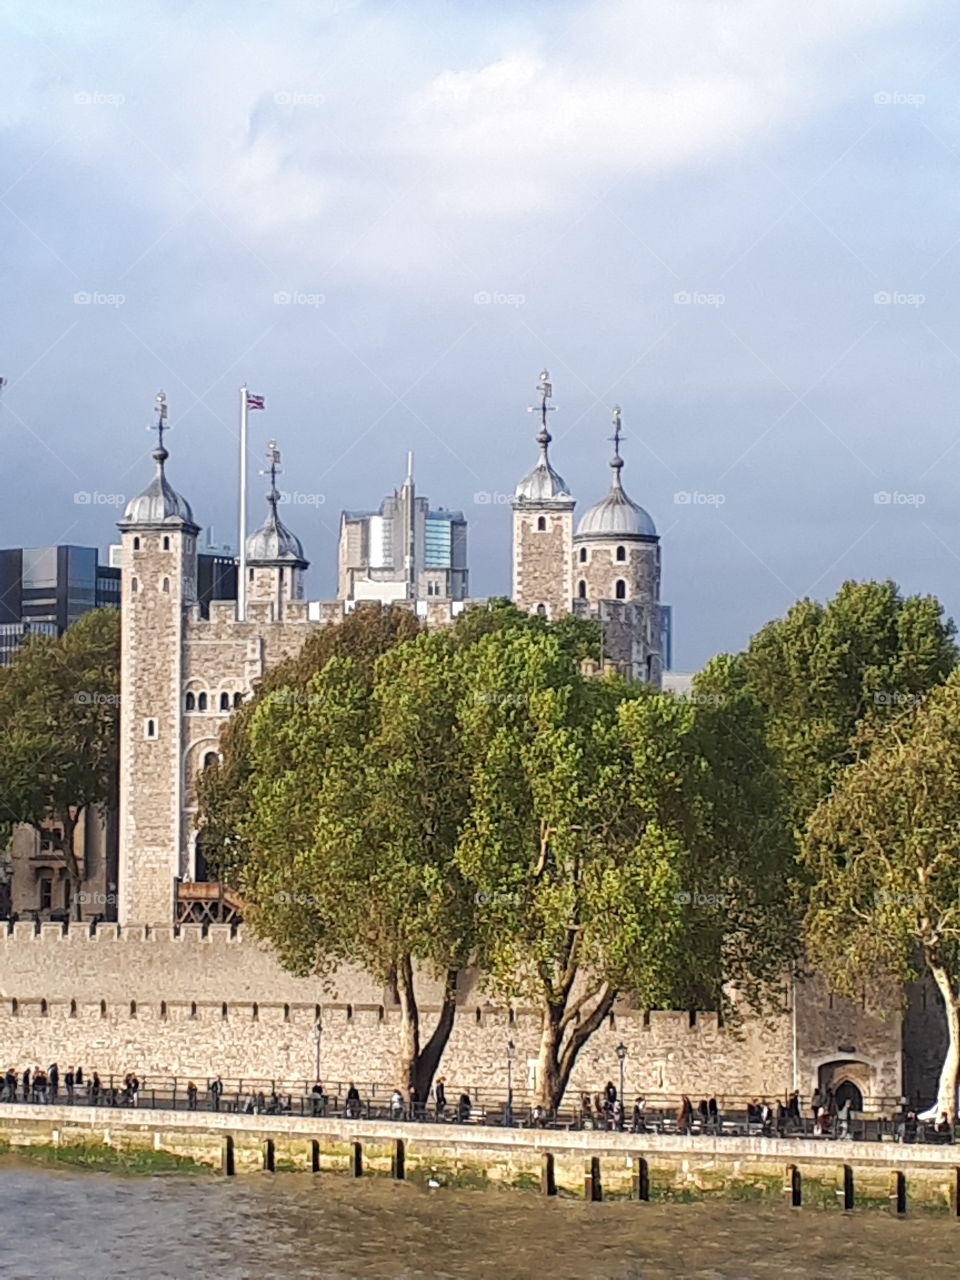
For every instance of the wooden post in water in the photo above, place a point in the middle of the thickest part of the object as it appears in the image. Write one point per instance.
(398, 1163)
(227, 1166)
(269, 1156)
(898, 1193)
(955, 1193)
(357, 1160)
(845, 1192)
(641, 1179)
(592, 1187)
(548, 1174)
(793, 1187)
(314, 1156)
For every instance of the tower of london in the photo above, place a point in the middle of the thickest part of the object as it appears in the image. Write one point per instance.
(184, 669)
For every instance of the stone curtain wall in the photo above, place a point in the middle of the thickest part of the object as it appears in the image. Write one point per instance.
(194, 1004)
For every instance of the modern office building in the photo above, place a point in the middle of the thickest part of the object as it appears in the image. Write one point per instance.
(44, 589)
(403, 551)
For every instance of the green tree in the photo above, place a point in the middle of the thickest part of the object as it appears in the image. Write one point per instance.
(224, 788)
(59, 721)
(357, 796)
(883, 853)
(822, 670)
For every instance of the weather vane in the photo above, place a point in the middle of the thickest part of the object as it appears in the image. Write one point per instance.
(274, 469)
(160, 426)
(545, 388)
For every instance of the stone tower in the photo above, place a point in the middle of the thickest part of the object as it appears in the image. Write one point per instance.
(617, 575)
(275, 560)
(543, 529)
(159, 585)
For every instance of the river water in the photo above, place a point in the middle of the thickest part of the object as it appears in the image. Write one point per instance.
(59, 1225)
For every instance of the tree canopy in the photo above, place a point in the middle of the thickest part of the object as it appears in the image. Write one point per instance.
(59, 731)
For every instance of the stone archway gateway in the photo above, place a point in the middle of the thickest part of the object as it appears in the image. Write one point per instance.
(850, 1079)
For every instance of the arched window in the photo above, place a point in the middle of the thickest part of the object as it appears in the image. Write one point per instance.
(210, 758)
(237, 699)
(542, 610)
(224, 702)
(190, 702)
(166, 585)
(621, 553)
(541, 524)
(582, 589)
(583, 555)
(202, 702)
(250, 574)
(133, 585)
(166, 544)
(151, 728)
(136, 544)
(621, 589)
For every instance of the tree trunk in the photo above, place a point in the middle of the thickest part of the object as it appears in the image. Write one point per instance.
(70, 823)
(416, 1066)
(432, 1052)
(562, 1036)
(950, 1071)
(409, 1030)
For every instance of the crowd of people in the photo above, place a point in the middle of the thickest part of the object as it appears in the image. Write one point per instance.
(602, 1110)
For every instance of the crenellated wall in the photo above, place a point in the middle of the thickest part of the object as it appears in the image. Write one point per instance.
(190, 1003)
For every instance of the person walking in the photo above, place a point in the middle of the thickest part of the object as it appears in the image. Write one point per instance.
(134, 1090)
(191, 1096)
(353, 1101)
(396, 1105)
(96, 1089)
(26, 1084)
(318, 1101)
(843, 1120)
(609, 1097)
(53, 1080)
(440, 1096)
(68, 1084)
(639, 1124)
(10, 1085)
(464, 1107)
(714, 1114)
(216, 1093)
(684, 1115)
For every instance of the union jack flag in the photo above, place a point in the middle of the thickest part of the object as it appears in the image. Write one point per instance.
(255, 402)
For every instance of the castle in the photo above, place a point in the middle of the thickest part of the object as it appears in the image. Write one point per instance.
(167, 996)
(182, 673)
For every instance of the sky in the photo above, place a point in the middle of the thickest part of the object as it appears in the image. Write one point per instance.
(738, 221)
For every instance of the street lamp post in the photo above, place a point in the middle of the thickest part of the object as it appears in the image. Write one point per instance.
(510, 1049)
(317, 1030)
(621, 1055)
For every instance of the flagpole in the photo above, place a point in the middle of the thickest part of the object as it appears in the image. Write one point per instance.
(242, 569)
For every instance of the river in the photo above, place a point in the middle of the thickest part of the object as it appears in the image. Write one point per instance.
(61, 1225)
